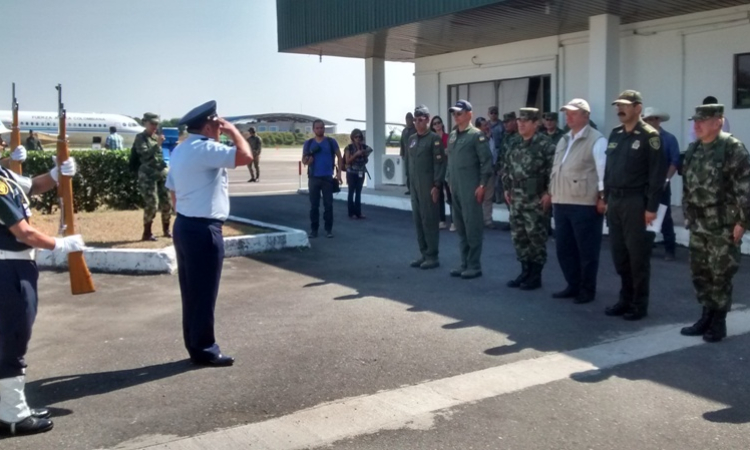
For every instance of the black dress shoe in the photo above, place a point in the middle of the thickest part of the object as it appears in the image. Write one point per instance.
(618, 309)
(568, 292)
(635, 314)
(29, 425)
(41, 413)
(217, 361)
(584, 297)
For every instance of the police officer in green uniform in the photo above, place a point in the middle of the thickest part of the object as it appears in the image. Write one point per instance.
(152, 174)
(633, 181)
(551, 130)
(426, 160)
(469, 170)
(716, 203)
(528, 165)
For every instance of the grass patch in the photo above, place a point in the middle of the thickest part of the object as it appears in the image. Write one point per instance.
(123, 229)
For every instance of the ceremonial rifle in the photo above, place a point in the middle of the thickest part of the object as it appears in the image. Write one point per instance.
(15, 135)
(80, 277)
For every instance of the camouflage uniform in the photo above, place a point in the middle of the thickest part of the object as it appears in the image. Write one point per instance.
(256, 145)
(528, 164)
(152, 175)
(716, 197)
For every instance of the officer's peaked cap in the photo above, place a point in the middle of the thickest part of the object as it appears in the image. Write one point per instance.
(199, 115)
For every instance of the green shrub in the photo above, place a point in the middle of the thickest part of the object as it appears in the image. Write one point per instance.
(103, 181)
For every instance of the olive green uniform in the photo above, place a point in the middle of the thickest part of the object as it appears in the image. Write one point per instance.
(152, 176)
(256, 145)
(427, 166)
(469, 166)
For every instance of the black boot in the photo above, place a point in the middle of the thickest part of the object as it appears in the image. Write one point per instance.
(534, 280)
(699, 327)
(165, 228)
(147, 236)
(521, 278)
(717, 330)
(622, 306)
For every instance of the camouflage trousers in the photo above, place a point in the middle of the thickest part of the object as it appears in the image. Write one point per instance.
(528, 230)
(155, 194)
(254, 174)
(714, 259)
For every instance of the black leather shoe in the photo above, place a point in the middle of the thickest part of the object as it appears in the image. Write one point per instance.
(29, 425)
(635, 313)
(584, 297)
(568, 292)
(41, 413)
(457, 272)
(618, 309)
(217, 361)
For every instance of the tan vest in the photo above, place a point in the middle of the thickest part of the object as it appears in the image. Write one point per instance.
(576, 181)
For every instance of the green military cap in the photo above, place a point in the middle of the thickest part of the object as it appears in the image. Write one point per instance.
(628, 98)
(528, 114)
(509, 116)
(150, 117)
(550, 116)
(704, 112)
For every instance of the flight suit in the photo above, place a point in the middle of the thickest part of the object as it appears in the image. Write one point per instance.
(427, 167)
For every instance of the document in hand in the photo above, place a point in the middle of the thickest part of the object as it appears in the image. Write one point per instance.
(655, 226)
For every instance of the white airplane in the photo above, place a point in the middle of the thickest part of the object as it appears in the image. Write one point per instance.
(82, 128)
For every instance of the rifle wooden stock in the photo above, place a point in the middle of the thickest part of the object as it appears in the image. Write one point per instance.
(80, 277)
(15, 137)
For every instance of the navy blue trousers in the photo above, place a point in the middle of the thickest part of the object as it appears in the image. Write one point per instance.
(199, 244)
(578, 240)
(18, 306)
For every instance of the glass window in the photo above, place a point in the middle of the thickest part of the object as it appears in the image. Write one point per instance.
(273, 128)
(742, 80)
(261, 128)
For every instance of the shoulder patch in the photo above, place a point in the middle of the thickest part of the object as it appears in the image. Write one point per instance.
(437, 143)
(482, 139)
(4, 189)
(655, 142)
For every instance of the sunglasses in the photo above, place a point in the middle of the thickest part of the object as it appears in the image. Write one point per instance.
(437, 122)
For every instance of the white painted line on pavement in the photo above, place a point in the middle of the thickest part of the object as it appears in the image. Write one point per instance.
(395, 409)
(254, 194)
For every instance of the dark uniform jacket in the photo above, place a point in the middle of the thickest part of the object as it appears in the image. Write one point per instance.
(12, 211)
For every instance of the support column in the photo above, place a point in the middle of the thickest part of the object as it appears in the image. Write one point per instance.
(604, 70)
(375, 118)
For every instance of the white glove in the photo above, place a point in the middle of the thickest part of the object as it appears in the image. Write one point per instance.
(19, 154)
(69, 244)
(68, 168)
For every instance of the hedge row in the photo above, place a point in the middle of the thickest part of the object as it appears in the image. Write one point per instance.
(103, 181)
(287, 138)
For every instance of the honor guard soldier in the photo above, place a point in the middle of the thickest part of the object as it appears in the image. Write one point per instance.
(633, 181)
(199, 183)
(528, 164)
(469, 171)
(716, 203)
(427, 168)
(18, 289)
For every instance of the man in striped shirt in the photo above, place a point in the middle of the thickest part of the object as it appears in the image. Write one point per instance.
(114, 140)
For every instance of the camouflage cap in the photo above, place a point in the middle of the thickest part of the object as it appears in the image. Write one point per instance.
(528, 114)
(421, 111)
(509, 116)
(550, 116)
(628, 97)
(704, 112)
(150, 117)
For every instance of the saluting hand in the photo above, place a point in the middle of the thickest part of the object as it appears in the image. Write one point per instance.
(226, 127)
(650, 217)
(738, 232)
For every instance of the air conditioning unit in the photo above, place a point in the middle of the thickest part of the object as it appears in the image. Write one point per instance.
(394, 171)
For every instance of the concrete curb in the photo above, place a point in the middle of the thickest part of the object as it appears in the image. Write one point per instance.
(165, 260)
(499, 214)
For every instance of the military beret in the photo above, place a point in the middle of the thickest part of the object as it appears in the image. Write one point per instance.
(704, 112)
(421, 111)
(461, 105)
(509, 116)
(528, 114)
(550, 116)
(150, 117)
(199, 115)
(628, 98)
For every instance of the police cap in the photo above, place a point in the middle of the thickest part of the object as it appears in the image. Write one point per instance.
(198, 116)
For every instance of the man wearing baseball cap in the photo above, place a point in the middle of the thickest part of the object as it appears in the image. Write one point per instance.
(633, 182)
(469, 171)
(576, 185)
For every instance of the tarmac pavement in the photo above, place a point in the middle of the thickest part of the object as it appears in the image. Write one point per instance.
(348, 319)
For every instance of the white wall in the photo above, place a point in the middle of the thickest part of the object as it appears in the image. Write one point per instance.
(651, 61)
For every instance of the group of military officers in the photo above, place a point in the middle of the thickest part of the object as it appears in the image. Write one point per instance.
(585, 178)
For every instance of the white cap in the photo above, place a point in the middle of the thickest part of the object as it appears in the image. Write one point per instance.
(577, 104)
(654, 112)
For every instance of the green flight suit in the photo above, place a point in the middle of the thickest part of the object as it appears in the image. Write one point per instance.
(426, 160)
(469, 166)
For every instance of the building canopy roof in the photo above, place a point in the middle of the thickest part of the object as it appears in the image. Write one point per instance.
(276, 117)
(399, 30)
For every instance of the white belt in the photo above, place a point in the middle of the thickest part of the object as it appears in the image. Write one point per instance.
(26, 255)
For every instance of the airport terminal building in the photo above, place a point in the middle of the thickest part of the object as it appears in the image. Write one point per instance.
(516, 53)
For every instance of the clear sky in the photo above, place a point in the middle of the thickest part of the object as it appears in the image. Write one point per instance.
(167, 56)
